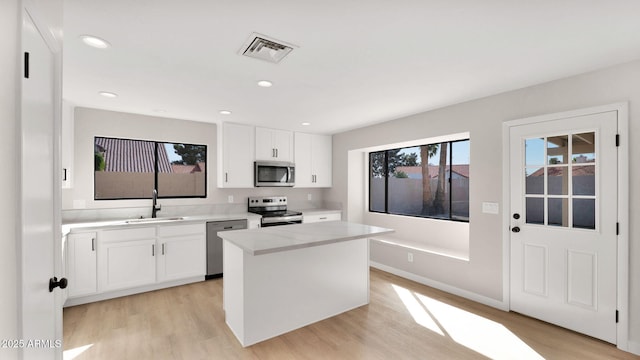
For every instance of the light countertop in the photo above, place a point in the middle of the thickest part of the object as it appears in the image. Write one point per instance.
(110, 224)
(283, 238)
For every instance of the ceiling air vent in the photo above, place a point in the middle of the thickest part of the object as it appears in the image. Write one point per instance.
(264, 48)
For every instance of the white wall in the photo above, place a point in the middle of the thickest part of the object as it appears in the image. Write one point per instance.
(89, 123)
(483, 119)
(9, 120)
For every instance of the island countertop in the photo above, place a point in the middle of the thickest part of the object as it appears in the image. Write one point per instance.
(283, 238)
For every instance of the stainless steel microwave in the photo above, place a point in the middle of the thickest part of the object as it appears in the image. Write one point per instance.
(274, 173)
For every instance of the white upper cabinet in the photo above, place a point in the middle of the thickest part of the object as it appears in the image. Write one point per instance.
(313, 160)
(237, 156)
(274, 145)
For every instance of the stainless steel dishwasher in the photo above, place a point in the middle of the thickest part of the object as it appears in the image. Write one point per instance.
(214, 244)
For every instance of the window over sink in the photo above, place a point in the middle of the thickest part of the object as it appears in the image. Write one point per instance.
(132, 169)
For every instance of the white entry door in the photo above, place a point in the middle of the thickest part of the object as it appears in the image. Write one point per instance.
(563, 222)
(40, 310)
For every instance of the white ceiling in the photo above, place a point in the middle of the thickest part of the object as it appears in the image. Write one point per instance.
(359, 62)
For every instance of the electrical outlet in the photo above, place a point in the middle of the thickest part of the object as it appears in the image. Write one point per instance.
(410, 257)
(230, 198)
(309, 197)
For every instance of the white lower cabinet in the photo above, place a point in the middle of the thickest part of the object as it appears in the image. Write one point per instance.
(81, 264)
(126, 258)
(182, 251)
(145, 257)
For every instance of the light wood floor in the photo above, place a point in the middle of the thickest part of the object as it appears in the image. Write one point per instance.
(187, 322)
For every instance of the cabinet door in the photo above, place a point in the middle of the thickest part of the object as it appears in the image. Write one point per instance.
(321, 159)
(181, 257)
(238, 156)
(81, 264)
(283, 143)
(126, 264)
(264, 144)
(304, 172)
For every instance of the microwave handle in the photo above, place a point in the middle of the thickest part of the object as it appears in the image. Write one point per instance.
(290, 174)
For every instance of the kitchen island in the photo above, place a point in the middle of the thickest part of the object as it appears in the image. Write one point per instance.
(278, 279)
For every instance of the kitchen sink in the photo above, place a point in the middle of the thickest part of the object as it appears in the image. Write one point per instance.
(153, 220)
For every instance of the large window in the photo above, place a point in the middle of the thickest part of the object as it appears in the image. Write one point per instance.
(132, 169)
(429, 180)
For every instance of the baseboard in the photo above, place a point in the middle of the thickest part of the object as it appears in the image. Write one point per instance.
(125, 292)
(442, 286)
(634, 347)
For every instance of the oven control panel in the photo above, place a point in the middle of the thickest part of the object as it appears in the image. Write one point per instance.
(258, 201)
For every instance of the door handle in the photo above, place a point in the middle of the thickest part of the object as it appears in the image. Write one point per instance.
(515, 229)
(54, 283)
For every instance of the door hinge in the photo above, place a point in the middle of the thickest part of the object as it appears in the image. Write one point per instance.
(617, 228)
(617, 139)
(26, 65)
(617, 316)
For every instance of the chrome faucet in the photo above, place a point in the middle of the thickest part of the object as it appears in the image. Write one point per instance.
(155, 207)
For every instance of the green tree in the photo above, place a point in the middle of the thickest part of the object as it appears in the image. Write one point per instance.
(98, 162)
(190, 154)
(400, 175)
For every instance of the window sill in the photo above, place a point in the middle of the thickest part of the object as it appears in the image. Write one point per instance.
(416, 246)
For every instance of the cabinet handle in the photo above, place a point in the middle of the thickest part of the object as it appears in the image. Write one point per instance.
(323, 218)
(93, 244)
(276, 152)
(226, 177)
(153, 250)
(162, 248)
(64, 177)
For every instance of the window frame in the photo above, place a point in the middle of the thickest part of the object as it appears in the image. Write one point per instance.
(386, 181)
(157, 144)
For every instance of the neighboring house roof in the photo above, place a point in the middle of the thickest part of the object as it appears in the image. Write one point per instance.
(188, 169)
(123, 155)
(557, 171)
(462, 170)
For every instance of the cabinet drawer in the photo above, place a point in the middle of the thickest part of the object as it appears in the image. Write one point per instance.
(127, 234)
(179, 230)
(321, 217)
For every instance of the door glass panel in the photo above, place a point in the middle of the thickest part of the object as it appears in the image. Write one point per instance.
(535, 211)
(584, 180)
(584, 213)
(558, 180)
(583, 148)
(534, 183)
(558, 212)
(557, 168)
(534, 152)
(557, 149)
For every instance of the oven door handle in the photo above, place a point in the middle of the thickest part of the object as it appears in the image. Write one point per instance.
(270, 220)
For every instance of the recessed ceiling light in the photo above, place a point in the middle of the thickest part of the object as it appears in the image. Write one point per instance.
(95, 42)
(265, 83)
(225, 112)
(108, 94)
(306, 123)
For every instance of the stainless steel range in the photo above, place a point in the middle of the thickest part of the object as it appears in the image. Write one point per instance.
(274, 210)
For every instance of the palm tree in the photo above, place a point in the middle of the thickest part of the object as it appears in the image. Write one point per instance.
(426, 151)
(438, 202)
